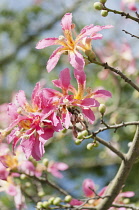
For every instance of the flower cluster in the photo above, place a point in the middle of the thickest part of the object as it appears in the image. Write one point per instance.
(50, 110)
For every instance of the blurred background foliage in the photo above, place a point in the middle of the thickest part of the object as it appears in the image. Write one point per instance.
(22, 25)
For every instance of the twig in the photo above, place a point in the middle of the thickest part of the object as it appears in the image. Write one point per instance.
(107, 144)
(123, 124)
(123, 76)
(125, 206)
(132, 35)
(126, 15)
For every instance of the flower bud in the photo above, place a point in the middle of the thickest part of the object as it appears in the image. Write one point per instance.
(103, 1)
(85, 133)
(68, 198)
(23, 176)
(98, 5)
(45, 162)
(50, 201)
(57, 201)
(64, 130)
(45, 204)
(90, 146)
(95, 144)
(126, 201)
(28, 184)
(102, 108)
(104, 13)
(91, 55)
(39, 205)
(41, 193)
(78, 141)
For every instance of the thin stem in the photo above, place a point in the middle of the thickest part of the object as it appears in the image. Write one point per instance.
(107, 144)
(126, 15)
(132, 35)
(123, 76)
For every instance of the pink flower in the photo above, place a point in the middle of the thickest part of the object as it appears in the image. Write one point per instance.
(55, 167)
(130, 4)
(32, 124)
(69, 45)
(81, 103)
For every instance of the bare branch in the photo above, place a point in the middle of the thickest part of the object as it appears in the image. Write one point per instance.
(132, 35)
(115, 185)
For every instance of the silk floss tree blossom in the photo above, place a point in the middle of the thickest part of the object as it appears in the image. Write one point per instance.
(82, 42)
(73, 108)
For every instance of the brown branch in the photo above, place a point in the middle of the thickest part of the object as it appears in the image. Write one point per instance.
(123, 124)
(115, 185)
(126, 15)
(132, 35)
(123, 76)
(132, 207)
(107, 144)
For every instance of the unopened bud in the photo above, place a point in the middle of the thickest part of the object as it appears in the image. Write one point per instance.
(64, 130)
(41, 193)
(27, 184)
(57, 201)
(39, 205)
(45, 204)
(126, 201)
(98, 5)
(90, 54)
(90, 146)
(85, 133)
(50, 201)
(68, 198)
(103, 1)
(104, 13)
(23, 176)
(95, 144)
(45, 162)
(102, 108)
(78, 141)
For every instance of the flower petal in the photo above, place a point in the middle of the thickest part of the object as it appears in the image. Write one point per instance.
(54, 58)
(66, 21)
(88, 184)
(102, 93)
(80, 76)
(46, 43)
(21, 98)
(89, 102)
(89, 114)
(76, 60)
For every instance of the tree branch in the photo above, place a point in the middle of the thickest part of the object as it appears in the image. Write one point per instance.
(123, 76)
(132, 35)
(115, 185)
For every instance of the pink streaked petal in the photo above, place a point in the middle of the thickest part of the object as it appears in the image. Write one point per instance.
(102, 93)
(27, 146)
(66, 119)
(46, 43)
(65, 78)
(38, 150)
(45, 134)
(21, 98)
(61, 166)
(66, 21)
(11, 190)
(75, 202)
(54, 58)
(80, 76)
(97, 36)
(88, 184)
(89, 115)
(12, 111)
(89, 102)
(35, 95)
(76, 60)
(127, 194)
